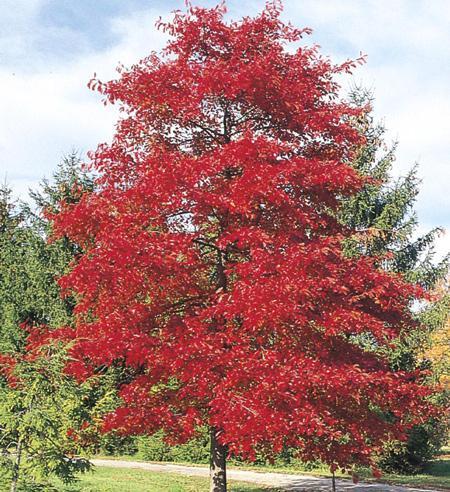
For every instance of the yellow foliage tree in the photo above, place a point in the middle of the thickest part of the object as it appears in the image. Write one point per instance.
(437, 351)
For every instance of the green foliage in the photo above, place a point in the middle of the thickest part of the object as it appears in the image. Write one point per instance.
(383, 213)
(68, 183)
(38, 402)
(29, 264)
(36, 415)
(154, 448)
(411, 457)
(112, 444)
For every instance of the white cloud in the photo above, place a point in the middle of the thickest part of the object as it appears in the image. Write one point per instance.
(46, 109)
(16, 25)
(50, 111)
(408, 48)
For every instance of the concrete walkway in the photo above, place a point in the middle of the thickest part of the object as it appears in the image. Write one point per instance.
(284, 481)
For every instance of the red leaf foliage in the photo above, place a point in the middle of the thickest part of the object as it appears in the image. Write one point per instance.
(213, 264)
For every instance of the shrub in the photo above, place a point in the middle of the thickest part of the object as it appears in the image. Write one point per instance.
(113, 444)
(423, 444)
(154, 448)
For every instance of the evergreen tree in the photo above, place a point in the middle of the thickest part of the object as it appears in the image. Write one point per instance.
(383, 211)
(383, 215)
(43, 412)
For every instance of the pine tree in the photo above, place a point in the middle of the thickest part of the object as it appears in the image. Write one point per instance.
(41, 408)
(383, 216)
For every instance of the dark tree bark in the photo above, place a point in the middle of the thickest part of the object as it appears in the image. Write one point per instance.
(218, 459)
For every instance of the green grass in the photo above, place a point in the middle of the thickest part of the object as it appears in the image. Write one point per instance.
(130, 480)
(104, 479)
(437, 474)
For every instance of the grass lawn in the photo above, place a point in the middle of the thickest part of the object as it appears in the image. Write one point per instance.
(130, 480)
(437, 474)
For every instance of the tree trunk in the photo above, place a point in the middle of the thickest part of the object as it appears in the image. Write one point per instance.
(217, 468)
(333, 483)
(16, 467)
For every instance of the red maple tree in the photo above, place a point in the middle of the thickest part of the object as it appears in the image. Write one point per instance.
(213, 264)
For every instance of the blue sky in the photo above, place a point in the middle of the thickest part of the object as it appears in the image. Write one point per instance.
(49, 49)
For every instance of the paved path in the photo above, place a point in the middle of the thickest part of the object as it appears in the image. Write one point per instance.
(284, 481)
